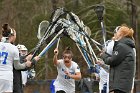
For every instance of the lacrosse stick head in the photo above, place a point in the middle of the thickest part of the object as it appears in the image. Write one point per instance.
(57, 13)
(42, 29)
(99, 9)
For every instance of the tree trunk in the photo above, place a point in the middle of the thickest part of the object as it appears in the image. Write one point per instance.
(134, 26)
(54, 4)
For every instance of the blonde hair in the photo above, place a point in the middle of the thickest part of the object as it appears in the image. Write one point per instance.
(126, 31)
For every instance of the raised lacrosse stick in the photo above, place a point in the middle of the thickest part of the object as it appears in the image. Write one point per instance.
(55, 17)
(57, 44)
(82, 28)
(99, 9)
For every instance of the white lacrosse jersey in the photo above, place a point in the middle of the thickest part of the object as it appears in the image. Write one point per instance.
(63, 82)
(8, 53)
(110, 45)
(104, 78)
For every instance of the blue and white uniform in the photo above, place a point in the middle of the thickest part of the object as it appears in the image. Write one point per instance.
(104, 76)
(8, 53)
(63, 82)
(104, 79)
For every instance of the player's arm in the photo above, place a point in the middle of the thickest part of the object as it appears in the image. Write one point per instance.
(18, 65)
(76, 76)
(16, 62)
(101, 63)
(28, 63)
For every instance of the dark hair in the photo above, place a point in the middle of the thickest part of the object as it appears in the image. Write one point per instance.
(6, 30)
(68, 51)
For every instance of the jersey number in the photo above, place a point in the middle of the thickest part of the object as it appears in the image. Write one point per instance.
(4, 54)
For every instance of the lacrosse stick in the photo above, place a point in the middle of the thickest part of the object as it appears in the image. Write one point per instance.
(91, 51)
(87, 55)
(80, 44)
(99, 11)
(41, 31)
(57, 44)
(76, 34)
(86, 58)
(87, 61)
(74, 18)
(68, 23)
(55, 16)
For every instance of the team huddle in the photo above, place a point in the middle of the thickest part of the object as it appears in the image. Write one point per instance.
(117, 64)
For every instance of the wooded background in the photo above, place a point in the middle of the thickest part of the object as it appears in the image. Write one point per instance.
(25, 15)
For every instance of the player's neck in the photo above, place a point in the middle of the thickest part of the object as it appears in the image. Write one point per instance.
(68, 65)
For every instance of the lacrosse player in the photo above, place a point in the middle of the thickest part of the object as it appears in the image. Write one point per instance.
(23, 52)
(122, 61)
(103, 74)
(9, 57)
(20, 76)
(68, 72)
(104, 69)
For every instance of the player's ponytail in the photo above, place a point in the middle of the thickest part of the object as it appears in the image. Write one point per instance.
(7, 30)
(68, 51)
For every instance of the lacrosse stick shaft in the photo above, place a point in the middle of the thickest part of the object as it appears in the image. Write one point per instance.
(83, 55)
(82, 50)
(91, 51)
(104, 34)
(58, 43)
(47, 47)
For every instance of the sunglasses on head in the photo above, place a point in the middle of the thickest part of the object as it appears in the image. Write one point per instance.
(117, 29)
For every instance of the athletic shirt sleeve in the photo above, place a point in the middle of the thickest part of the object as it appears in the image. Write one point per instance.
(16, 53)
(76, 67)
(60, 62)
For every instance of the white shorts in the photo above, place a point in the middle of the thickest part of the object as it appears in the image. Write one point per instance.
(6, 86)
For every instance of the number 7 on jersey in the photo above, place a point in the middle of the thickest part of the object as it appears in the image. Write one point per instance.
(4, 55)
